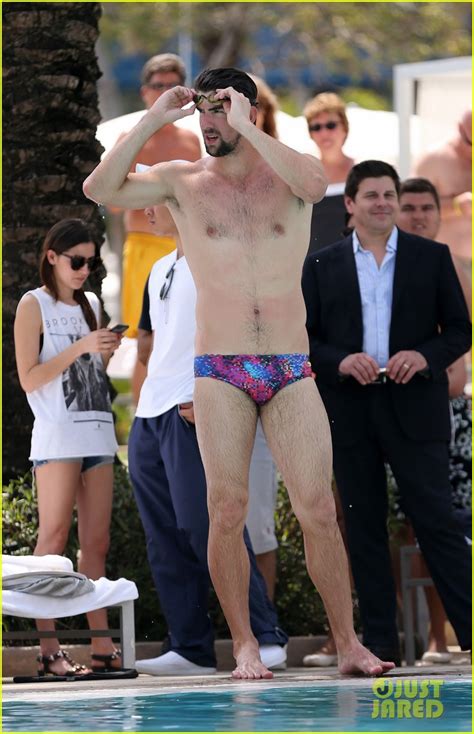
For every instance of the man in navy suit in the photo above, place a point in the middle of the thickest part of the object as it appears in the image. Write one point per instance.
(386, 317)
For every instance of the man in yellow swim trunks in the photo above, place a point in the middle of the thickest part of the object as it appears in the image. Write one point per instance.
(143, 247)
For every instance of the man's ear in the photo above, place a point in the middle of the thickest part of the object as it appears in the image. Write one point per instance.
(253, 115)
(349, 204)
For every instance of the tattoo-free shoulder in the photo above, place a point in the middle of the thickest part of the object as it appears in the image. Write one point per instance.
(28, 313)
(29, 301)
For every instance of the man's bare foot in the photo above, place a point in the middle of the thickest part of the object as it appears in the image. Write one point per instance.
(249, 665)
(357, 660)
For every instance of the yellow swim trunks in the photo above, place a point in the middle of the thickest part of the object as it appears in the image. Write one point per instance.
(140, 252)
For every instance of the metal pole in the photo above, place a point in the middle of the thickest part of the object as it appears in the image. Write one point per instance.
(404, 98)
(185, 43)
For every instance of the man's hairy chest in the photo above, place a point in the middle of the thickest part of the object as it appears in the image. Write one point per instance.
(246, 211)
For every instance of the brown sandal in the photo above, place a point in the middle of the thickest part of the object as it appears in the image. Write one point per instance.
(77, 671)
(106, 659)
(107, 670)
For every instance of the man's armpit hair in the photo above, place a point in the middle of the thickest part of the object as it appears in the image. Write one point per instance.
(173, 202)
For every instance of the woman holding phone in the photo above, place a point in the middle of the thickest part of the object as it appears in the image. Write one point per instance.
(61, 355)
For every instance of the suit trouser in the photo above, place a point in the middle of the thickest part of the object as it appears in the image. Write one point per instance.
(421, 471)
(170, 490)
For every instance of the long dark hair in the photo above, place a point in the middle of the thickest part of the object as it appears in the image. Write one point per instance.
(267, 104)
(61, 237)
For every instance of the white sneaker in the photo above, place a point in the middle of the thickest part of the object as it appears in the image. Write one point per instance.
(319, 660)
(171, 664)
(436, 658)
(273, 656)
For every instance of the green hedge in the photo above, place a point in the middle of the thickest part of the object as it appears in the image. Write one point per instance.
(299, 606)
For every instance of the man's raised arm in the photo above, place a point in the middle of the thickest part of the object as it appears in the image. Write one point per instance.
(303, 173)
(111, 183)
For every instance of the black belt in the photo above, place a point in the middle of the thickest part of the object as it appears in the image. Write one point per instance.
(381, 379)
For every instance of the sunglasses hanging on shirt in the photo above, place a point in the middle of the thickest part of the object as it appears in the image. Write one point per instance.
(165, 288)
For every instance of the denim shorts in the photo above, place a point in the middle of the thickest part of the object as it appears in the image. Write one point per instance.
(88, 462)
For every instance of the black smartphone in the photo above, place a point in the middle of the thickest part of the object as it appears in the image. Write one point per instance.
(119, 328)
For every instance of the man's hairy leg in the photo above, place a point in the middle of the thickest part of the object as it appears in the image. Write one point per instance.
(297, 430)
(226, 421)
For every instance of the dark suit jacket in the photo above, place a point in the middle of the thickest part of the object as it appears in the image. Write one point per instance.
(429, 315)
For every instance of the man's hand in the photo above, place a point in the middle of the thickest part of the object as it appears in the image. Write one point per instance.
(236, 106)
(186, 411)
(360, 366)
(403, 365)
(169, 106)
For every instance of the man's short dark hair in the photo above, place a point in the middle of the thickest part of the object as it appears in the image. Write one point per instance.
(369, 169)
(211, 79)
(420, 186)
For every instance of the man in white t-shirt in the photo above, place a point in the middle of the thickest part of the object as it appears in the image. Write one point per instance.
(170, 487)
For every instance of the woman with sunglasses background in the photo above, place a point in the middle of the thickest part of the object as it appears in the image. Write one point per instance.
(328, 127)
(61, 356)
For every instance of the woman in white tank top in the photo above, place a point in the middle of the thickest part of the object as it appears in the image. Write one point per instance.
(61, 356)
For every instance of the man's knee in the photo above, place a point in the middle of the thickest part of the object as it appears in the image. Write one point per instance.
(227, 509)
(316, 514)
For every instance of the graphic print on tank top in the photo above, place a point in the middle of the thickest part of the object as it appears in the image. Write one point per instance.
(84, 383)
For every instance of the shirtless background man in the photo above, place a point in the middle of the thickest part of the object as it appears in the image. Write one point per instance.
(448, 167)
(143, 245)
(243, 215)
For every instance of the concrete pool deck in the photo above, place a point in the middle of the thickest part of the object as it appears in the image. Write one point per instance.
(149, 685)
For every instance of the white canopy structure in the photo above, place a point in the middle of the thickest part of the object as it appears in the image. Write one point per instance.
(372, 134)
(438, 92)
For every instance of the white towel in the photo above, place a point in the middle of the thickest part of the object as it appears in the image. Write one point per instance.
(23, 564)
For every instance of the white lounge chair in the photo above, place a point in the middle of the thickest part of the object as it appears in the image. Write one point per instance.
(106, 593)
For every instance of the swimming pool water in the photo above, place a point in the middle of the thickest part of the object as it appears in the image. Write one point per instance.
(341, 708)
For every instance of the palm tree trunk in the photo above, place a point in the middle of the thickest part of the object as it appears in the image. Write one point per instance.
(49, 121)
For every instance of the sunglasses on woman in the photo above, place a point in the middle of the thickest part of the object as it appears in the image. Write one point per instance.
(331, 125)
(78, 261)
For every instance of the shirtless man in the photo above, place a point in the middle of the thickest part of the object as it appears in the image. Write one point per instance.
(243, 215)
(449, 169)
(144, 245)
